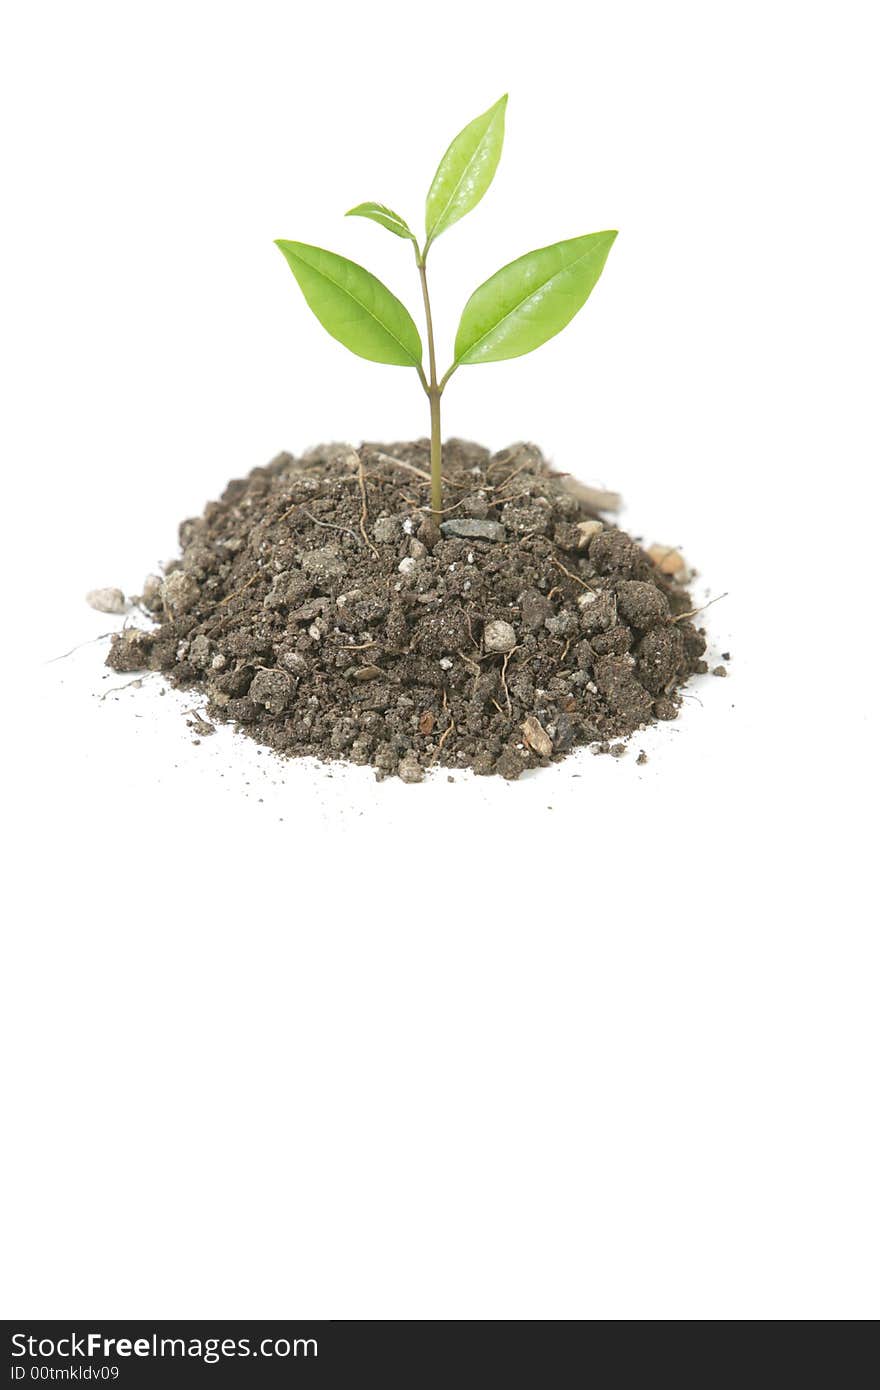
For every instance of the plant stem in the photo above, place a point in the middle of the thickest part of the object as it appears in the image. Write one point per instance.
(436, 459)
(434, 393)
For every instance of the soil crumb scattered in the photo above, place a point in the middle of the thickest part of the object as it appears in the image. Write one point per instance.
(318, 607)
(107, 600)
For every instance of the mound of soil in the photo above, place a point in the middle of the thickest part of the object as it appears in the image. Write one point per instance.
(317, 606)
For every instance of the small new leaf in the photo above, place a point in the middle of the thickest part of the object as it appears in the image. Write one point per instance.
(465, 171)
(354, 307)
(386, 217)
(530, 300)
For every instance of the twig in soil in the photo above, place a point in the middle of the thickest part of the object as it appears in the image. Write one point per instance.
(680, 617)
(443, 737)
(576, 577)
(514, 497)
(129, 685)
(424, 507)
(333, 526)
(470, 662)
(363, 487)
(201, 723)
(507, 656)
(229, 597)
(411, 468)
(596, 498)
(399, 463)
(79, 646)
(504, 481)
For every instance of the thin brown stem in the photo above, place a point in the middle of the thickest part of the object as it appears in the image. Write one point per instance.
(434, 394)
(436, 459)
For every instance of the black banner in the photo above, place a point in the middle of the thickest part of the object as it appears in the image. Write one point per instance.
(93, 1352)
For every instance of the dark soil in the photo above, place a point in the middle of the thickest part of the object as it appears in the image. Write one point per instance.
(317, 607)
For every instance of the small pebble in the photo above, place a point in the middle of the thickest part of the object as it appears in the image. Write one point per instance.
(669, 561)
(561, 624)
(719, 670)
(537, 737)
(586, 530)
(499, 636)
(107, 600)
(642, 758)
(386, 530)
(408, 770)
(471, 529)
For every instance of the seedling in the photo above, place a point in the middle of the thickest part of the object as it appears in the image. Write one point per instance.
(517, 309)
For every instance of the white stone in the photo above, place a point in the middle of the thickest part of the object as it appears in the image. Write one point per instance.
(586, 531)
(107, 600)
(499, 636)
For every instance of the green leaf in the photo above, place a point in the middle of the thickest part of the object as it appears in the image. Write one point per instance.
(465, 171)
(530, 300)
(354, 307)
(386, 217)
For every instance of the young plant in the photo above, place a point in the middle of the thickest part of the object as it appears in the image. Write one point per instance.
(517, 309)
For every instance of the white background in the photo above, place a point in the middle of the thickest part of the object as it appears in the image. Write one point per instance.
(281, 1041)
